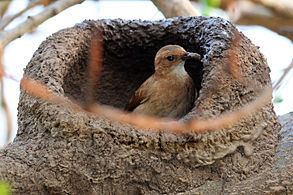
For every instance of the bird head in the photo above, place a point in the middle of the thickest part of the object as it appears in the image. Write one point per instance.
(172, 56)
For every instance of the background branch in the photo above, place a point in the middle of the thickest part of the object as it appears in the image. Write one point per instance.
(278, 84)
(3, 102)
(32, 22)
(173, 8)
(9, 19)
(7, 112)
(272, 14)
(249, 13)
(29, 25)
(3, 7)
(281, 7)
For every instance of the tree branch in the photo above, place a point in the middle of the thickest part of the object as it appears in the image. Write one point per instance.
(173, 8)
(32, 22)
(278, 84)
(280, 7)
(9, 19)
(3, 103)
(7, 112)
(248, 13)
(3, 7)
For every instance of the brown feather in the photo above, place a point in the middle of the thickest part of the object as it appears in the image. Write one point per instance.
(139, 97)
(170, 91)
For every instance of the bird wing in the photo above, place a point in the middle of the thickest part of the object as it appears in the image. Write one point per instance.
(138, 98)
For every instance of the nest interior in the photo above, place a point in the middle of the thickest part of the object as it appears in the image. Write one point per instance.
(135, 159)
(128, 61)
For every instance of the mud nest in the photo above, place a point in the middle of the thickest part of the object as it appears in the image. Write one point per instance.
(70, 152)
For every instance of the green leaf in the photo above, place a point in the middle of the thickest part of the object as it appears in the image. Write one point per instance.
(5, 188)
(209, 5)
(213, 3)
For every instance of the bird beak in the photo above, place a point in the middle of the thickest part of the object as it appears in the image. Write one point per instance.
(189, 55)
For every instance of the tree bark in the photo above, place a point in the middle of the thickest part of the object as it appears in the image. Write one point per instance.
(59, 151)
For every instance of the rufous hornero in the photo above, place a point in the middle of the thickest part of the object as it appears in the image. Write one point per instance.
(170, 91)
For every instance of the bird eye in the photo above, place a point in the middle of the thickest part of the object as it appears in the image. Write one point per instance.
(170, 58)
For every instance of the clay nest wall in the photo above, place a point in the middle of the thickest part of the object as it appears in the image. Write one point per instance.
(58, 151)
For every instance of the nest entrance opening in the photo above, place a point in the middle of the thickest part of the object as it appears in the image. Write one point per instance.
(122, 74)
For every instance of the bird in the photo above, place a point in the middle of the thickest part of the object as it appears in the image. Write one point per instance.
(170, 91)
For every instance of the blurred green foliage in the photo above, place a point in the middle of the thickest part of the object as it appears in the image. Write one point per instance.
(5, 188)
(278, 100)
(209, 5)
(213, 3)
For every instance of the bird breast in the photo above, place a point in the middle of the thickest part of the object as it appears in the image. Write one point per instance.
(170, 95)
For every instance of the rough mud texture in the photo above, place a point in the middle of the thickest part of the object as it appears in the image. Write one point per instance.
(57, 151)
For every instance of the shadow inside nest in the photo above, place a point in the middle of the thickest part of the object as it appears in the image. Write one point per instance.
(125, 69)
